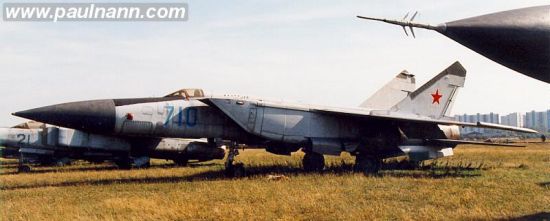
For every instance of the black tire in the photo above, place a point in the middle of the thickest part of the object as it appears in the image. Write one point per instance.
(414, 164)
(368, 165)
(144, 166)
(313, 162)
(23, 169)
(239, 171)
(63, 162)
(124, 164)
(229, 171)
(235, 171)
(181, 161)
(47, 162)
(96, 161)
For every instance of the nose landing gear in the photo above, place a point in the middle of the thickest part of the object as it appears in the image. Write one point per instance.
(233, 169)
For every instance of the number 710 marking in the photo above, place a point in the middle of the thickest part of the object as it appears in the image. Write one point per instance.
(190, 116)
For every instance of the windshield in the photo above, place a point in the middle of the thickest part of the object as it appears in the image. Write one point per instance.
(30, 125)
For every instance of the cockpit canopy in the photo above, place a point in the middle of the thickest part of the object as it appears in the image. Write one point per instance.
(30, 125)
(187, 93)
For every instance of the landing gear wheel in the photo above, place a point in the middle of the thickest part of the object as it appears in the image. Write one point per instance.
(144, 166)
(23, 169)
(414, 164)
(124, 164)
(369, 165)
(235, 171)
(141, 162)
(313, 162)
(63, 162)
(47, 163)
(96, 161)
(181, 161)
(23, 166)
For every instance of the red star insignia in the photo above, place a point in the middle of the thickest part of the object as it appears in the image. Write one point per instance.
(436, 97)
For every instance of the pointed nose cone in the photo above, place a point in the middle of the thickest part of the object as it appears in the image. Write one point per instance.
(93, 116)
(518, 39)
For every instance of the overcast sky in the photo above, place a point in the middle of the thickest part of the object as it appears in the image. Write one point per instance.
(307, 51)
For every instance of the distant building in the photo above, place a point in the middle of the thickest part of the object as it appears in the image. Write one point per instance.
(488, 118)
(514, 119)
(539, 121)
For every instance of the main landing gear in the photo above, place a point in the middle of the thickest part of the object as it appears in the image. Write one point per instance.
(23, 168)
(181, 161)
(367, 164)
(23, 164)
(124, 163)
(313, 162)
(127, 163)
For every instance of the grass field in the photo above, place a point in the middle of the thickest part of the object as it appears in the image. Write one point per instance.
(477, 183)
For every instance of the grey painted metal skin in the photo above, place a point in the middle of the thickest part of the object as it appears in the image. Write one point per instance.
(394, 91)
(416, 125)
(518, 39)
(51, 144)
(144, 117)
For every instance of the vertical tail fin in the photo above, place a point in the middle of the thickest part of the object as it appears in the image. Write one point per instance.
(435, 98)
(394, 91)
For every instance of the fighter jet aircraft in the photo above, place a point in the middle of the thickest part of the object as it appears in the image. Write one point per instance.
(18, 145)
(518, 39)
(416, 125)
(56, 145)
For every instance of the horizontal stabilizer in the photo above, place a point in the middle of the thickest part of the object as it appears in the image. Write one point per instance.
(504, 127)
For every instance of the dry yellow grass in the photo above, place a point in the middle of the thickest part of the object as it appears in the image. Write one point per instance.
(512, 182)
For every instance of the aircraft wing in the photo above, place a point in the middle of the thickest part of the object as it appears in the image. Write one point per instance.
(359, 113)
(450, 142)
(393, 116)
